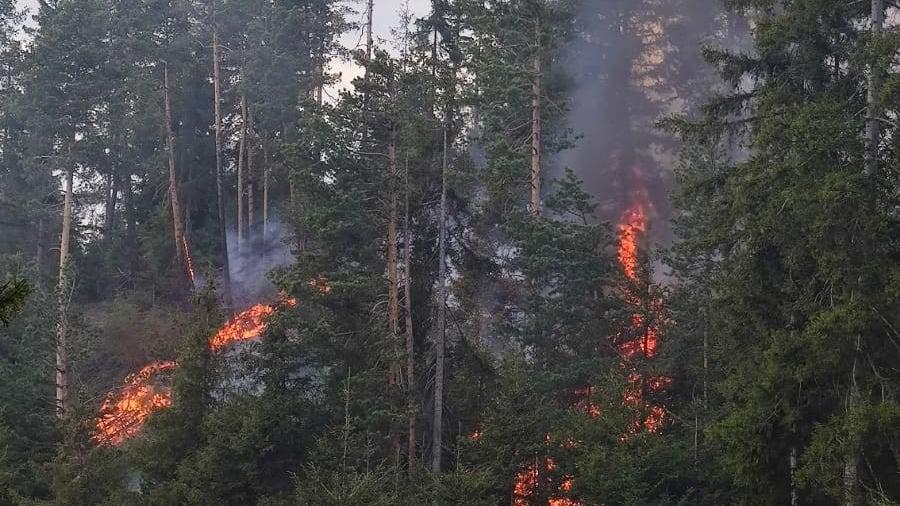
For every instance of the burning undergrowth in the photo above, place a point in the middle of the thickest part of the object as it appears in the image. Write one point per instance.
(126, 409)
(636, 344)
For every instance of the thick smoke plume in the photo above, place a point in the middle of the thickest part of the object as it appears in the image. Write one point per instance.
(633, 62)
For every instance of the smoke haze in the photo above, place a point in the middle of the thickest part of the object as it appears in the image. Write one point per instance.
(251, 263)
(632, 63)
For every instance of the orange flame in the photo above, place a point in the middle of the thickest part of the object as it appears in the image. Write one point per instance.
(246, 325)
(528, 480)
(631, 228)
(646, 341)
(126, 410)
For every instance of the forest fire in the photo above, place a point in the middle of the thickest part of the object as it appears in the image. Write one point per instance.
(631, 228)
(643, 340)
(125, 410)
(246, 325)
(528, 481)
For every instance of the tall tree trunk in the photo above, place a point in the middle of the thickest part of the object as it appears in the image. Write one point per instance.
(220, 190)
(131, 229)
(250, 176)
(182, 252)
(851, 465)
(39, 253)
(536, 126)
(705, 365)
(392, 256)
(440, 338)
(394, 375)
(795, 493)
(112, 193)
(873, 109)
(369, 40)
(62, 376)
(250, 206)
(265, 191)
(240, 171)
(410, 336)
(319, 84)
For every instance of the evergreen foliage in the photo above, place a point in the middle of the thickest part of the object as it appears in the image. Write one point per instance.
(446, 307)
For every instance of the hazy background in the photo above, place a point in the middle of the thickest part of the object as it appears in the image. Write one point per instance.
(385, 17)
(614, 108)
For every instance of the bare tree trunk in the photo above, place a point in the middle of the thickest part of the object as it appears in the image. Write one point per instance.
(182, 252)
(369, 40)
(536, 127)
(437, 426)
(39, 253)
(872, 106)
(410, 336)
(112, 193)
(394, 373)
(240, 171)
(292, 190)
(320, 70)
(851, 465)
(705, 364)
(220, 190)
(265, 191)
(130, 228)
(795, 494)
(250, 176)
(392, 256)
(62, 376)
(250, 205)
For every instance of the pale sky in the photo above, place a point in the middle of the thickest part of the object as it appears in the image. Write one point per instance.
(385, 17)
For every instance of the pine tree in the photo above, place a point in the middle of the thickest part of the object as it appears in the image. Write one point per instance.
(801, 310)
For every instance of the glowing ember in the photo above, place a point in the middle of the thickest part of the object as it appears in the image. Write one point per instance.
(647, 339)
(125, 411)
(188, 260)
(563, 501)
(525, 485)
(585, 404)
(528, 480)
(320, 284)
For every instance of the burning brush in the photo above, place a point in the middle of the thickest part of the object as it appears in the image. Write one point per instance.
(126, 410)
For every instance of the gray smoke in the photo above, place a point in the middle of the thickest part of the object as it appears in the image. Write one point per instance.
(251, 263)
(632, 63)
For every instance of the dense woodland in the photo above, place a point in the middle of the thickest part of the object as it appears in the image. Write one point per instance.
(539, 252)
